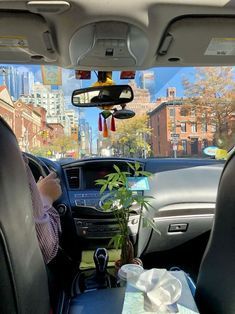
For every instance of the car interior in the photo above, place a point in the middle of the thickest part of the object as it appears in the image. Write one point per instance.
(193, 199)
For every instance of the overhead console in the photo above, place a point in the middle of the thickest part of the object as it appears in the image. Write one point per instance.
(108, 44)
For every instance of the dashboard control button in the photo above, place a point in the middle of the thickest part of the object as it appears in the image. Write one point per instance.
(79, 202)
(61, 208)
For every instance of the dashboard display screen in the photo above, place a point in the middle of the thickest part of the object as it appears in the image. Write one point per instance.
(92, 174)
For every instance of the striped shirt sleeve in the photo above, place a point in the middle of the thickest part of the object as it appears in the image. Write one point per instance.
(47, 221)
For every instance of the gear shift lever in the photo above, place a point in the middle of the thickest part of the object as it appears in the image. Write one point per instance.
(101, 277)
(101, 259)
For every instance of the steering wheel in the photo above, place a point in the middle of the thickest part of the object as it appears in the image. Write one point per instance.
(37, 166)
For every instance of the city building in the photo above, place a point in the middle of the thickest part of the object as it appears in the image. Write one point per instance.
(84, 138)
(73, 117)
(17, 82)
(50, 99)
(104, 146)
(7, 109)
(27, 126)
(57, 130)
(176, 131)
(27, 122)
(141, 102)
(147, 80)
(27, 83)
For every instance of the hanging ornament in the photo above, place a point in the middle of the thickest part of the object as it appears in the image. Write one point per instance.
(106, 114)
(112, 126)
(105, 131)
(100, 123)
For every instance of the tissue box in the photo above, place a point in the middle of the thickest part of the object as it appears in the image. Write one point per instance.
(134, 299)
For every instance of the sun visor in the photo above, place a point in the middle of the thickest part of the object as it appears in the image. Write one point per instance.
(198, 41)
(25, 37)
(108, 44)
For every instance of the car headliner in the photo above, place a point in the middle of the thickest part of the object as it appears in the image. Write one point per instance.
(49, 26)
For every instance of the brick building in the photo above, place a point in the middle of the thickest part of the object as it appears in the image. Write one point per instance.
(57, 130)
(7, 109)
(28, 122)
(169, 120)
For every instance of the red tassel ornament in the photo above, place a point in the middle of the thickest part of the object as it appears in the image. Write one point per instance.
(100, 123)
(105, 131)
(112, 126)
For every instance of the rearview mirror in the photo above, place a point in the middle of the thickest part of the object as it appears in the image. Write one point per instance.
(99, 96)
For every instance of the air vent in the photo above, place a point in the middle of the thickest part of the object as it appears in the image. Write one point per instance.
(73, 177)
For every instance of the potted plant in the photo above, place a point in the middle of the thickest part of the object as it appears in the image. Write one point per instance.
(119, 199)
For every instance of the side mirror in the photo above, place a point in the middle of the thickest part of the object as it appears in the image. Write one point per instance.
(99, 96)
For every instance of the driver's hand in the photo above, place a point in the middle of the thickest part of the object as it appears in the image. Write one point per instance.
(49, 187)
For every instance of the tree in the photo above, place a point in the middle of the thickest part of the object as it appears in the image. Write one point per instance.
(212, 97)
(44, 151)
(63, 144)
(131, 137)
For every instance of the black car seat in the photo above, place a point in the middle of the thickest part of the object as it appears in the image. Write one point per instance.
(215, 289)
(23, 276)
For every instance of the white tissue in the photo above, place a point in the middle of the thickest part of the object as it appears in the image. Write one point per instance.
(160, 289)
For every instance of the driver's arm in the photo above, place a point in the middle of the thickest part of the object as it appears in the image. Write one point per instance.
(47, 220)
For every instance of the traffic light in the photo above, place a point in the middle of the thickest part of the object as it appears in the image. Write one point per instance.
(170, 126)
(44, 134)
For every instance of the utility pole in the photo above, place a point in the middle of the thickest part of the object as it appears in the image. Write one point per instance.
(79, 135)
(175, 141)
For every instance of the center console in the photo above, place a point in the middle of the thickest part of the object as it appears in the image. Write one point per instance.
(101, 277)
(92, 223)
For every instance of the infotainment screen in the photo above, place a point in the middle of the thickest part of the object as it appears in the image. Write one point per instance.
(90, 174)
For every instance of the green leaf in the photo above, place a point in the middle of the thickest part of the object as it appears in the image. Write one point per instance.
(117, 168)
(116, 241)
(145, 173)
(137, 165)
(111, 242)
(110, 176)
(115, 177)
(100, 181)
(103, 188)
(131, 166)
(151, 223)
(107, 206)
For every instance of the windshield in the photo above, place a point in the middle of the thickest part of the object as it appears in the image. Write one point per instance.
(176, 112)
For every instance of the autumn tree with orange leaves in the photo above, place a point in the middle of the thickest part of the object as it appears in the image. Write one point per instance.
(212, 96)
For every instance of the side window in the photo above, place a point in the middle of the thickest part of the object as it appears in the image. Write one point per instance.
(194, 127)
(183, 127)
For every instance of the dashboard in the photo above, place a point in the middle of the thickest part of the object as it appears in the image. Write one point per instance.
(81, 182)
(184, 194)
(91, 221)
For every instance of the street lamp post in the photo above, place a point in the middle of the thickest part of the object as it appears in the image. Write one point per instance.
(174, 144)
